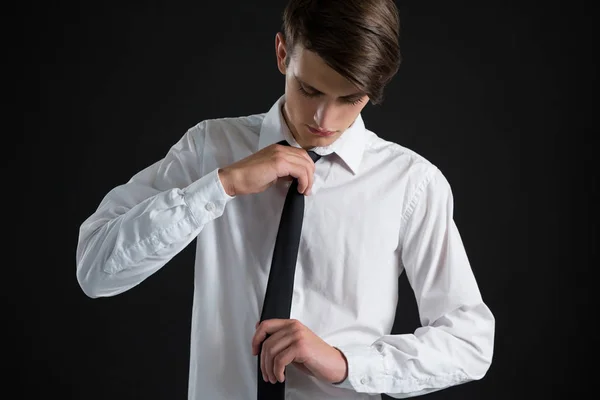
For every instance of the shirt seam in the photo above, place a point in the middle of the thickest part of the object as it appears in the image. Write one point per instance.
(415, 199)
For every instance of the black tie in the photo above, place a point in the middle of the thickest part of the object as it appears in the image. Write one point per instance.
(278, 297)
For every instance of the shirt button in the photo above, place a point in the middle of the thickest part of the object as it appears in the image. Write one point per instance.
(364, 380)
(210, 207)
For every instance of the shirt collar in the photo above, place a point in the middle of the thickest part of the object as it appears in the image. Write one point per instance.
(349, 146)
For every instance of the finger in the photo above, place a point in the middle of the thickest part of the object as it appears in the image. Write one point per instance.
(282, 360)
(299, 156)
(301, 152)
(304, 175)
(265, 328)
(254, 348)
(310, 169)
(297, 151)
(271, 347)
(297, 168)
(262, 356)
(263, 362)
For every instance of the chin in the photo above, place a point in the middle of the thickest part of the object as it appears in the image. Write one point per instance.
(327, 141)
(311, 140)
(315, 141)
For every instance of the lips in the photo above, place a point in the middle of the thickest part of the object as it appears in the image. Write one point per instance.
(320, 132)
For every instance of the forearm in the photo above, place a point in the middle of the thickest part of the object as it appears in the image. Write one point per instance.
(119, 247)
(455, 349)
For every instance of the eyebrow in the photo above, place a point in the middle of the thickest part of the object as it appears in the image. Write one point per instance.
(353, 96)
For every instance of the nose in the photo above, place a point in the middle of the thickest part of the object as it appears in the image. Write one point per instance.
(325, 116)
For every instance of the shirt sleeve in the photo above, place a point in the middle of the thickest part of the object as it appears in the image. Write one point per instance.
(454, 344)
(140, 225)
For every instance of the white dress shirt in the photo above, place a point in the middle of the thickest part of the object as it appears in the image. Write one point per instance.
(377, 209)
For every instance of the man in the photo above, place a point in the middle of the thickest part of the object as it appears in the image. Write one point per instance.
(373, 209)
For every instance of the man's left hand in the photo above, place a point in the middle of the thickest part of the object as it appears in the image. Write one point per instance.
(290, 342)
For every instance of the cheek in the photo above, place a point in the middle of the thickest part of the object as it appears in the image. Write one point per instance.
(349, 116)
(303, 109)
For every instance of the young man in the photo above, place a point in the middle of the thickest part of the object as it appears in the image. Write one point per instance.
(373, 209)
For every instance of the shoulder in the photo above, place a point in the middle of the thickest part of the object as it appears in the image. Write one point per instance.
(225, 129)
(400, 160)
(417, 177)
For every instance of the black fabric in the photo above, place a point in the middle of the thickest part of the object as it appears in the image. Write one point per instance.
(278, 297)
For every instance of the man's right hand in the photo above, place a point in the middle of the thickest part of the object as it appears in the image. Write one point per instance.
(259, 171)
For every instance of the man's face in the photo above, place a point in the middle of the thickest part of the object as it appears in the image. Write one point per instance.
(317, 97)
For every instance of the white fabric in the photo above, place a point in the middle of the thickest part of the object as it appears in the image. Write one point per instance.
(378, 209)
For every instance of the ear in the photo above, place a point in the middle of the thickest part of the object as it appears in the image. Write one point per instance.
(280, 52)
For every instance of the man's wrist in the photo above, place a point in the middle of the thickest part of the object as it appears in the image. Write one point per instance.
(345, 372)
(224, 178)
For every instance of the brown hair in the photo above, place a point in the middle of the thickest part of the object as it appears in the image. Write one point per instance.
(357, 38)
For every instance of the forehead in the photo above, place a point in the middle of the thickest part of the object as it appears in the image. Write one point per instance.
(310, 68)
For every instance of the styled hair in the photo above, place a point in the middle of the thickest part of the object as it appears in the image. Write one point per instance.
(359, 39)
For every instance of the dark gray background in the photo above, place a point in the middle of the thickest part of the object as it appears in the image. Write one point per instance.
(495, 94)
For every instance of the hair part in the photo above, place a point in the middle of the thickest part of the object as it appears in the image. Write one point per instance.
(359, 39)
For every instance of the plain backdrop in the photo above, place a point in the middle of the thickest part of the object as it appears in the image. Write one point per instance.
(496, 94)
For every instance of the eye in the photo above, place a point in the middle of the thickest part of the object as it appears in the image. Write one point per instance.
(353, 102)
(306, 93)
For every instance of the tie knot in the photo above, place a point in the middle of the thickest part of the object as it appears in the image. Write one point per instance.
(314, 156)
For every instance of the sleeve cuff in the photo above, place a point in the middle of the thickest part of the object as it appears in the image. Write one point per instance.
(206, 197)
(365, 364)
